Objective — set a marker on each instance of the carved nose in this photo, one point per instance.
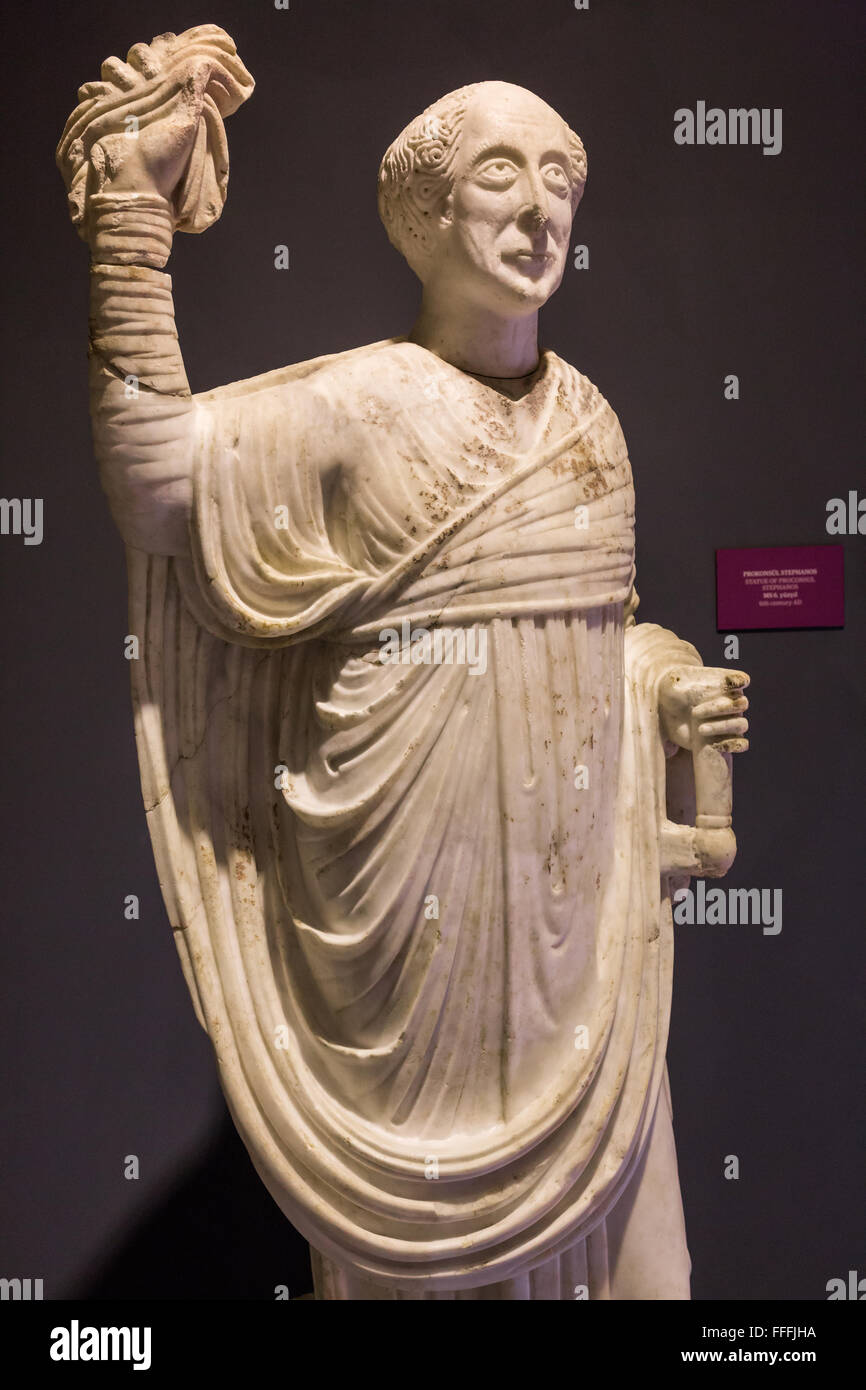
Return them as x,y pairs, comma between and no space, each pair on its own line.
538,217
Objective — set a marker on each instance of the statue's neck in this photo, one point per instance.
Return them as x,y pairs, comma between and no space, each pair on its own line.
476,340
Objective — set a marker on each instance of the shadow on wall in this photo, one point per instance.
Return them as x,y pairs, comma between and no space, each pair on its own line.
218,1235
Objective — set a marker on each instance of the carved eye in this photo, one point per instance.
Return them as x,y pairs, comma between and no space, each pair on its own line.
497,173
556,179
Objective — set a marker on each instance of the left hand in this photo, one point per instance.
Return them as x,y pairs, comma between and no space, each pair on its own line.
707,701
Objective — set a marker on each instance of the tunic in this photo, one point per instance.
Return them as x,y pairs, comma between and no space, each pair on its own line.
417,901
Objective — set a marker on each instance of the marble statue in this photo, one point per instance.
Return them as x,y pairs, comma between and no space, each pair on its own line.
420,787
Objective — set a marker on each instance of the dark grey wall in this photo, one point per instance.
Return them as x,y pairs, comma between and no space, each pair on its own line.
703,261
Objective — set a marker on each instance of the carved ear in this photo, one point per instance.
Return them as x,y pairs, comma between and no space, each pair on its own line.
445,217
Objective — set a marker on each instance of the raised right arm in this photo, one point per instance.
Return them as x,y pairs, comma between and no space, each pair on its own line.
141,409
144,155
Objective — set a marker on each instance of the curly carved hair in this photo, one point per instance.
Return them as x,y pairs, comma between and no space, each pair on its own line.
416,173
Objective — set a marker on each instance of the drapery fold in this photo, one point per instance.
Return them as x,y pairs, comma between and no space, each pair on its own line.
434,961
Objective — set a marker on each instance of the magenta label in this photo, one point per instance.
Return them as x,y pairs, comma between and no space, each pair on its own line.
780,586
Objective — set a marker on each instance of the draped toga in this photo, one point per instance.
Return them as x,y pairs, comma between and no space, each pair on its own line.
418,905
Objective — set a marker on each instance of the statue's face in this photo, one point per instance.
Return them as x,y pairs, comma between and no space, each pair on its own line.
507,223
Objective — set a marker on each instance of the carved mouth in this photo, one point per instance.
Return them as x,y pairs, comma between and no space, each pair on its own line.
528,260
531,264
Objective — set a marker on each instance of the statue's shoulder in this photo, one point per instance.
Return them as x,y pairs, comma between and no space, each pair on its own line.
590,406
583,395
331,368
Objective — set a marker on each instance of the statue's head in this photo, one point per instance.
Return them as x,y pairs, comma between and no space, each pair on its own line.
479,193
